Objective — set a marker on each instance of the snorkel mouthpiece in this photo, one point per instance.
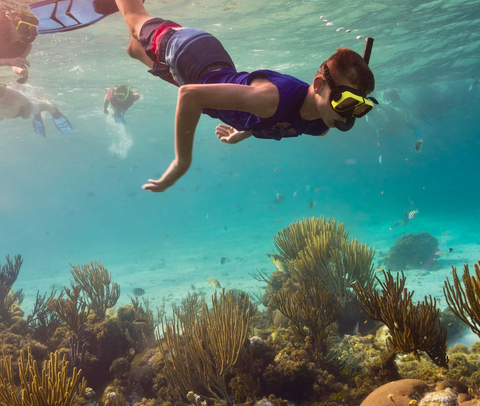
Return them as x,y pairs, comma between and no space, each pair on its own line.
348,124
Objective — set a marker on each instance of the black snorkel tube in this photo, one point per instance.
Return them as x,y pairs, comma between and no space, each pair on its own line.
350,121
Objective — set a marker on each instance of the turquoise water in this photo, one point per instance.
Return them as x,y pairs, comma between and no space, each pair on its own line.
75,197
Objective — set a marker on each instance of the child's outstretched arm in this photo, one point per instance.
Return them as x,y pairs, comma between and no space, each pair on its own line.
261,100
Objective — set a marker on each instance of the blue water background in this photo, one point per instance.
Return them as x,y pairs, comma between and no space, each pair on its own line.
75,197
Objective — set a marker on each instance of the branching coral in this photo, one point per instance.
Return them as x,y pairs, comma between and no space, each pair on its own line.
51,387
319,248
43,320
73,311
313,307
206,346
413,327
95,281
465,303
8,275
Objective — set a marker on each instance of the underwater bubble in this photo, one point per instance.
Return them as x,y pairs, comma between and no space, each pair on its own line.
330,24
359,37
339,29
348,30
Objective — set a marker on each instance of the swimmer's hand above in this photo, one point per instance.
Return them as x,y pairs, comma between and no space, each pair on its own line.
174,172
230,135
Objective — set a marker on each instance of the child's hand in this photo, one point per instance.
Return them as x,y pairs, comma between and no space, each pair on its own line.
230,135
174,172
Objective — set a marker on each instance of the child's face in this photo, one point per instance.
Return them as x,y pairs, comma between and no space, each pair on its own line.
324,108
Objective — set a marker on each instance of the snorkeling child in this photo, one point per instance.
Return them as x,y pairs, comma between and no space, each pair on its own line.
121,98
14,104
17,32
264,103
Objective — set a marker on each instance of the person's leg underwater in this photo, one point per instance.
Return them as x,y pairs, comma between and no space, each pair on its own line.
134,14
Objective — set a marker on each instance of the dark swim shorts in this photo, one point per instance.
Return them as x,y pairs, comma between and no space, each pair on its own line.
181,55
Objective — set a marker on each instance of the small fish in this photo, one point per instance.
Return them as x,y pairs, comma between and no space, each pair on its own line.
271,207
312,204
317,189
307,188
445,232
380,159
295,194
412,214
279,198
419,145
408,159
450,249
379,270
279,221
277,170
140,321
410,200
223,260
138,292
192,286
239,208
214,283
281,266
343,393
134,167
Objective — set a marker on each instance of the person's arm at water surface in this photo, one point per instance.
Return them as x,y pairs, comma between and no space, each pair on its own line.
260,98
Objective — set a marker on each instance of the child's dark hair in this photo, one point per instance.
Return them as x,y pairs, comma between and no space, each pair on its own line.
346,63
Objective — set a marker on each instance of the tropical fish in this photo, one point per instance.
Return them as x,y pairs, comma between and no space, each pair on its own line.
419,145
295,193
271,207
343,393
277,170
192,286
277,337
140,321
279,198
312,204
214,283
412,214
408,159
138,292
445,232
380,159
317,189
281,266
410,200
223,260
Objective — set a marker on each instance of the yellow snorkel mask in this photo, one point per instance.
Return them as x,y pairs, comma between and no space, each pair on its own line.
348,102
122,96
26,28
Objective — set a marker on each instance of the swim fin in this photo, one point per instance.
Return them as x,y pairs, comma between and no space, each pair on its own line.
118,117
61,122
38,125
67,15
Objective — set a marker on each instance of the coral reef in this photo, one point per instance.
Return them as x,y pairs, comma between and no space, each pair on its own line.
94,280
52,386
9,299
73,311
313,307
205,347
412,250
465,303
319,248
413,327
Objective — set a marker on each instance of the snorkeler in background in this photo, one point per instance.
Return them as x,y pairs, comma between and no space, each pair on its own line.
14,104
121,98
18,29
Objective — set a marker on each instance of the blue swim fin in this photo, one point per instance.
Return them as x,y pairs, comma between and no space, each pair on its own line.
61,122
67,15
38,125
118,117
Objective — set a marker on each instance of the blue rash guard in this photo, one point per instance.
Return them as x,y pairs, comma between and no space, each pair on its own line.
286,122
